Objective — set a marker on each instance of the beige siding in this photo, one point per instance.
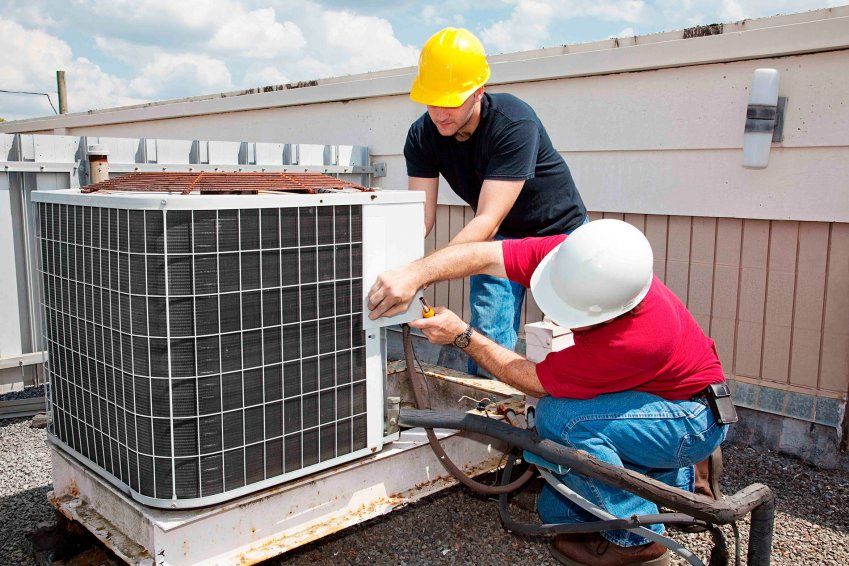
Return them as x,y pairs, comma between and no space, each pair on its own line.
773,294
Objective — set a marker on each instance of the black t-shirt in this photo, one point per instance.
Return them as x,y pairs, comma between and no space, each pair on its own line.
510,143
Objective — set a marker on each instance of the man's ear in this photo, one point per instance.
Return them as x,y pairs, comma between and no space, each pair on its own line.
479,94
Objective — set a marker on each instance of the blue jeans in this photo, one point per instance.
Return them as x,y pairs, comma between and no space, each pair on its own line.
496,305
640,431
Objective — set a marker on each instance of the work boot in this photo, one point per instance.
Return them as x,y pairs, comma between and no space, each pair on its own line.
707,484
707,475
592,549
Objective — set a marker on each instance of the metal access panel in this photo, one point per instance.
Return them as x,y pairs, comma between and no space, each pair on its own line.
204,347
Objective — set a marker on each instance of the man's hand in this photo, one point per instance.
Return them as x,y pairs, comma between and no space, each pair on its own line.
393,292
441,328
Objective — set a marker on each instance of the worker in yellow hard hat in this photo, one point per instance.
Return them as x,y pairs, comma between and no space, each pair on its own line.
495,154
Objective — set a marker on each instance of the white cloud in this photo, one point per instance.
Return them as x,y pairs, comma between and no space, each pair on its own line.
627,32
37,57
526,29
174,75
364,43
127,52
441,15
153,15
258,35
530,21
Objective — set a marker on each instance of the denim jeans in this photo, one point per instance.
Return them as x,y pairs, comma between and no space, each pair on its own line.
640,431
496,306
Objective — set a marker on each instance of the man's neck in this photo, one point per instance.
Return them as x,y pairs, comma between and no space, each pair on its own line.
467,129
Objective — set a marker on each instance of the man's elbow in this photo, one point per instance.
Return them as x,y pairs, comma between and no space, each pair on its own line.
489,226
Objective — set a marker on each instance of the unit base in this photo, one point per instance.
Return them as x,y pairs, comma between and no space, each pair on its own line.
267,523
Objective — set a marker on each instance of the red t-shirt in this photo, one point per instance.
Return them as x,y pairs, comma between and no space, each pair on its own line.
658,347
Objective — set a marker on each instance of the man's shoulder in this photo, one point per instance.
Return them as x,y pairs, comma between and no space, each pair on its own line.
511,108
420,125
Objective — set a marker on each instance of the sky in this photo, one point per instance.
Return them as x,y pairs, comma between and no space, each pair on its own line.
120,52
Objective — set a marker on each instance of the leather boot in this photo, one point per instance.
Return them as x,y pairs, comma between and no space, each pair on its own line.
592,549
707,475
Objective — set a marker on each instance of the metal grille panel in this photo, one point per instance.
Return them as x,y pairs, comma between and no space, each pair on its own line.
196,352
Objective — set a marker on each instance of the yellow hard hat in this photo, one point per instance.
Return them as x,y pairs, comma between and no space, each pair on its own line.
452,65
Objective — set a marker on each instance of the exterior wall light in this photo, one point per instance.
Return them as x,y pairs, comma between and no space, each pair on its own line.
764,118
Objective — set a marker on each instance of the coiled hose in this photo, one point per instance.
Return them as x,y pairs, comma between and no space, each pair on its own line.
417,382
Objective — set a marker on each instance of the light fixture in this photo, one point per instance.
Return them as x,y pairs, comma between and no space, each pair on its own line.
764,118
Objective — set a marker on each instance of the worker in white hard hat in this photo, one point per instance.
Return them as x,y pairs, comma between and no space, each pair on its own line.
638,389
495,154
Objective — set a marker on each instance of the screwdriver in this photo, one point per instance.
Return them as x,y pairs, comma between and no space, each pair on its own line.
427,310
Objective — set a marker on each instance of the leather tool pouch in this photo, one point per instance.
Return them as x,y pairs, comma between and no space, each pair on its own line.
719,398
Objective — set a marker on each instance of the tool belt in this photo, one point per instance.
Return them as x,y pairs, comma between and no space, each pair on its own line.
718,397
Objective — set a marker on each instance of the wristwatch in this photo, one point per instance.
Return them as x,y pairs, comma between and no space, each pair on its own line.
463,339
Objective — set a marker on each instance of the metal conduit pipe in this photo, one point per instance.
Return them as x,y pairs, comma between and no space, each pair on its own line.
417,382
756,499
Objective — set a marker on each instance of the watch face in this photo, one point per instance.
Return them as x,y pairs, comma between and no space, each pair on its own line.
462,340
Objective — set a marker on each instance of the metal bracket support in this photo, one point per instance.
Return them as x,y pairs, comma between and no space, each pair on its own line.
378,169
761,119
778,132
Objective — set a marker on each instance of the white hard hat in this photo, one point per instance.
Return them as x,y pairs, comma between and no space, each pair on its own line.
602,270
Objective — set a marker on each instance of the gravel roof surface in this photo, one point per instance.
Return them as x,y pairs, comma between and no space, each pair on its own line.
26,393
457,527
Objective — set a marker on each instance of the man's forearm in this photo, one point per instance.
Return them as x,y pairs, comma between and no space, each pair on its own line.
479,229
456,262
508,366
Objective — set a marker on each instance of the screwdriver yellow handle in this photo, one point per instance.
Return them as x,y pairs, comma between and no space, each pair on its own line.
427,310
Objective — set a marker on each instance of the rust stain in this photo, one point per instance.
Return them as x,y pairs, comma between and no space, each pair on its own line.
279,544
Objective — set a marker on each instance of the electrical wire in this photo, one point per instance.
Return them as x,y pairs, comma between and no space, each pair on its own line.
35,93
421,368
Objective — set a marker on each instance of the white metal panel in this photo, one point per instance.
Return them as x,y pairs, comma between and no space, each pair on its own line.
393,236
224,152
6,143
173,151
10,332
269,153
311,154
55,149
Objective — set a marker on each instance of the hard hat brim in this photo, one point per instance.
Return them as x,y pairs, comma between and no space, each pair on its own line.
543,288
444,100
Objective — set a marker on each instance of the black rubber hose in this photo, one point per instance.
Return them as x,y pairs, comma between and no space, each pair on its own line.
417,382
732,508
760,533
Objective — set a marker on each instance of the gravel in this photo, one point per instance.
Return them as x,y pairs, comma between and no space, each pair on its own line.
457,527
26,393
25,476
